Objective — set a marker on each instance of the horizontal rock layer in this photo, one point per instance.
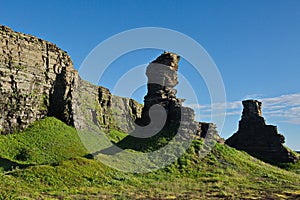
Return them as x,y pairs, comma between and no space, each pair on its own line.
37,79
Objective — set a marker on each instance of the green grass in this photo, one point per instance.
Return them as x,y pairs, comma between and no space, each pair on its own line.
45,141
116,136
293,167
224,173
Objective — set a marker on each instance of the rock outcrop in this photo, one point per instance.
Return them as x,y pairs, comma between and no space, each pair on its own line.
37,79
162,78
258,139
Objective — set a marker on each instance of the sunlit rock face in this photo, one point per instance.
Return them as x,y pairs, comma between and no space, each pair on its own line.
37,79
258,139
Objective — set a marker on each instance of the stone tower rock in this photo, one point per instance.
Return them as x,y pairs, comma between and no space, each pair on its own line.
162,78
258,139
162,74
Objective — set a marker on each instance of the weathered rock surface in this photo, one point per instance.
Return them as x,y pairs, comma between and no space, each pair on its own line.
205,128
37,79
164,120
162,78
258,139
96,105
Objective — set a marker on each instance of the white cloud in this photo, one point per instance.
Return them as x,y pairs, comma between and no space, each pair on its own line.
285,107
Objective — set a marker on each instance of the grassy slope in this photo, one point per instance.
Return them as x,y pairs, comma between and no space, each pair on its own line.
293,167
45,141
224,173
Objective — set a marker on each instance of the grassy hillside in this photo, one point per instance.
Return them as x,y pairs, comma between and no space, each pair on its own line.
293,167
224,173
45,141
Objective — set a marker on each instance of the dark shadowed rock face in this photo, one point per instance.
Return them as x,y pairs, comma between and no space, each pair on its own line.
257,138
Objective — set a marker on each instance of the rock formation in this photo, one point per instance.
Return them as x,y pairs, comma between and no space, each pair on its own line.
162,78
259,139
164,120
37,79
96,105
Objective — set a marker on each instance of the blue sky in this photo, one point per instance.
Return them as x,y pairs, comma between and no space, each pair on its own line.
255,44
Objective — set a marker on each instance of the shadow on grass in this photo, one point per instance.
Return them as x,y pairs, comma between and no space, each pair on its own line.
7,164
147,144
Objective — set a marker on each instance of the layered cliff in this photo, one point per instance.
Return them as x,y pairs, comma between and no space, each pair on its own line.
37,79
96,106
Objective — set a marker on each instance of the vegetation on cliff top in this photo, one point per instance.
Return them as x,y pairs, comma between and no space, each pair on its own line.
61,171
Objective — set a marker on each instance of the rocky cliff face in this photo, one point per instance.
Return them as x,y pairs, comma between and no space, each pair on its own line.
96,106
37,79
257,138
